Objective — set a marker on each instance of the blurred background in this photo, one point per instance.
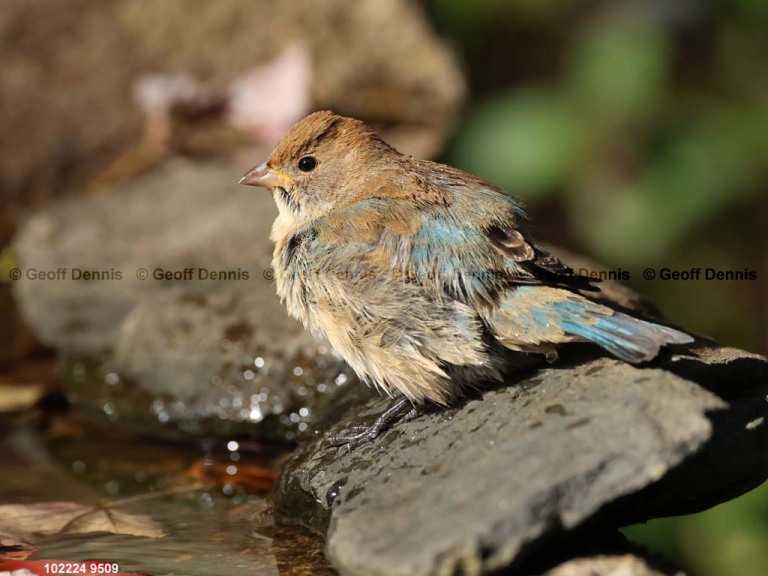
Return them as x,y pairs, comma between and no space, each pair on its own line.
635,131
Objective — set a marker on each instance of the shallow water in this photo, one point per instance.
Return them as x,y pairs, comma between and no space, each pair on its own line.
208,498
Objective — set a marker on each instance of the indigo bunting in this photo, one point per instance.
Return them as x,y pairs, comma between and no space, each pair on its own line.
421,276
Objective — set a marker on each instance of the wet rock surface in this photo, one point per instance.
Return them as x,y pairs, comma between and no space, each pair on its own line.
192,352
513,473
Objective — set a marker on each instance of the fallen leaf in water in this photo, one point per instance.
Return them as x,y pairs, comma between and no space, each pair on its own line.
22,521
43,567
14,548
14,554
11,540
248,477
17,397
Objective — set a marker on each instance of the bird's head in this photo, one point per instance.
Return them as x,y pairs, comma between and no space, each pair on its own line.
324,161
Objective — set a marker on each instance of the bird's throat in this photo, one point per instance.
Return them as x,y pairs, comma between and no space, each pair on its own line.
287,199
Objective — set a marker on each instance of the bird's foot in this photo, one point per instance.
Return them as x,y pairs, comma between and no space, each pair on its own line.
398,413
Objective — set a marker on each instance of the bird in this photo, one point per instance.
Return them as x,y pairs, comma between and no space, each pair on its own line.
425,278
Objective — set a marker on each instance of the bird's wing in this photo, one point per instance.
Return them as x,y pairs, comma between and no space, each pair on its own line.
418,245
543,266
467,248
495,221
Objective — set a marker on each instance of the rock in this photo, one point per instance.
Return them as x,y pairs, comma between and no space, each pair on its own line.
407,84
88,54
598,553
198,354
624,565
735,459
504,477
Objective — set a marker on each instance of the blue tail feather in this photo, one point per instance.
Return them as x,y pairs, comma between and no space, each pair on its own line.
629,339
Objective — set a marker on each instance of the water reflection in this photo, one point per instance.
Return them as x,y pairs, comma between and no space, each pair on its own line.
209,498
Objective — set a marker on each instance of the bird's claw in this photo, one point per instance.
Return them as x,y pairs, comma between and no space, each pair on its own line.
349,441
401,411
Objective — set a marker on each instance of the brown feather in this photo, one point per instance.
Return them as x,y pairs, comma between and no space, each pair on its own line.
511,244
306,136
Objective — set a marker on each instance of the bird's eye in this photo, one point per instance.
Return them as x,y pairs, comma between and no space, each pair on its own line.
307,164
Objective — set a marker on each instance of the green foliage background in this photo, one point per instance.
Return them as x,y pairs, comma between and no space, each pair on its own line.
637,131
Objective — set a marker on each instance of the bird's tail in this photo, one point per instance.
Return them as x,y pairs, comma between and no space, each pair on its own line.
534,318
630,339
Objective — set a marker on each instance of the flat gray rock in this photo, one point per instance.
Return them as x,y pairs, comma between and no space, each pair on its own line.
193,353
507,475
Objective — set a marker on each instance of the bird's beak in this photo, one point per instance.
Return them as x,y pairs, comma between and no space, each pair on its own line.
264,176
